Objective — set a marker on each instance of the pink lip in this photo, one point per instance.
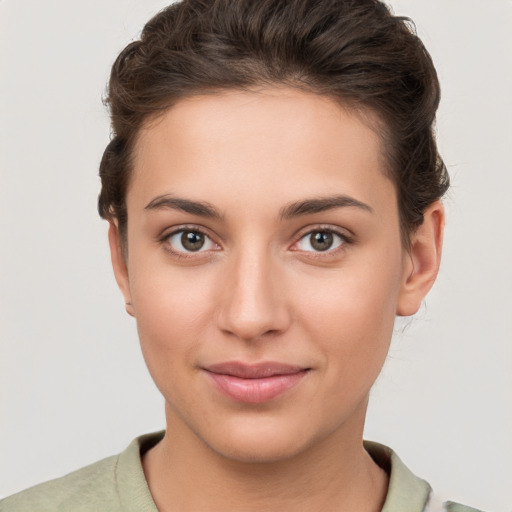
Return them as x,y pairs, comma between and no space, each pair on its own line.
257,383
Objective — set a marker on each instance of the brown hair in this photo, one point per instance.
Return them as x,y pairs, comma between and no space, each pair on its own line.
355,51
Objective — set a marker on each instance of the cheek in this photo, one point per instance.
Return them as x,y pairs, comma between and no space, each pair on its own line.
350,323
353,336
172,307
354,300
351,315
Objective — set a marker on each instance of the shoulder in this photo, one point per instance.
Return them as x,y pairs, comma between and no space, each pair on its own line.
113,484
407,492
89,487
450,506
435,504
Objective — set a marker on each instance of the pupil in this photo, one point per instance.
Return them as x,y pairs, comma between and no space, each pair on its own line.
321,240
192,241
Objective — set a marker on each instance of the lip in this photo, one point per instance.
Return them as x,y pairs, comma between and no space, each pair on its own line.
255,383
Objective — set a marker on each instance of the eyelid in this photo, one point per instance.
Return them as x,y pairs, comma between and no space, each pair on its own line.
346,237
168,233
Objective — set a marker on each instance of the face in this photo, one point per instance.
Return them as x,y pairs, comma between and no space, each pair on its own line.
264,269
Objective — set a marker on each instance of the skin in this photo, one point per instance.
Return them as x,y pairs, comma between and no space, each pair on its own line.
259,291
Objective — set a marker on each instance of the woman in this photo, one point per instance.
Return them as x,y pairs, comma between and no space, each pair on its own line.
273,191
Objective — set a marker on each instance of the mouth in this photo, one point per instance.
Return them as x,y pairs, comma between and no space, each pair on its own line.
255,383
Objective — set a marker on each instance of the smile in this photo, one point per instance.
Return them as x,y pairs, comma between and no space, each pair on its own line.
255,384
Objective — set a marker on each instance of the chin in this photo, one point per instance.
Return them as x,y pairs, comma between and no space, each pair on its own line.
258,442
254,451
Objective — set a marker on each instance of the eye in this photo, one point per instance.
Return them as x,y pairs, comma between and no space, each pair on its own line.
321,241
187,240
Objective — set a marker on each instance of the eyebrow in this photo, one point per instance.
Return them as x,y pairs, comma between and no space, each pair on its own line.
317,205
201,208
296,209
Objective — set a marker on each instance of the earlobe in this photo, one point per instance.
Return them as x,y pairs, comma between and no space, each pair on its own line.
423,260
119,265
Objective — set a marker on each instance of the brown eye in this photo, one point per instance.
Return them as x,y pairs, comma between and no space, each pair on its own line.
321,241
192,241
187,240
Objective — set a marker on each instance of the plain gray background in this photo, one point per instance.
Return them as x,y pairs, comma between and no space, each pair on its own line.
73,385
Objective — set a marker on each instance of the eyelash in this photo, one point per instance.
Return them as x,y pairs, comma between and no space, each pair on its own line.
344,241
165,241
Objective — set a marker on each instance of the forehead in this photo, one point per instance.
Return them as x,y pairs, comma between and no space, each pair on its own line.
277,139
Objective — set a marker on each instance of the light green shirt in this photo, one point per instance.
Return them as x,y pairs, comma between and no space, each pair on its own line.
117,484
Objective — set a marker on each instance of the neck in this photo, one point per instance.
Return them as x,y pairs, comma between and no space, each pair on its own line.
337,474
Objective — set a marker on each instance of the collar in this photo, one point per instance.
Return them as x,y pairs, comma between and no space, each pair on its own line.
406,492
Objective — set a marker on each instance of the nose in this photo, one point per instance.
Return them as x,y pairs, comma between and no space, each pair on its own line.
254,302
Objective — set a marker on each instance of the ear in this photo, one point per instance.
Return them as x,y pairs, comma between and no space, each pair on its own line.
119,265
422,260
